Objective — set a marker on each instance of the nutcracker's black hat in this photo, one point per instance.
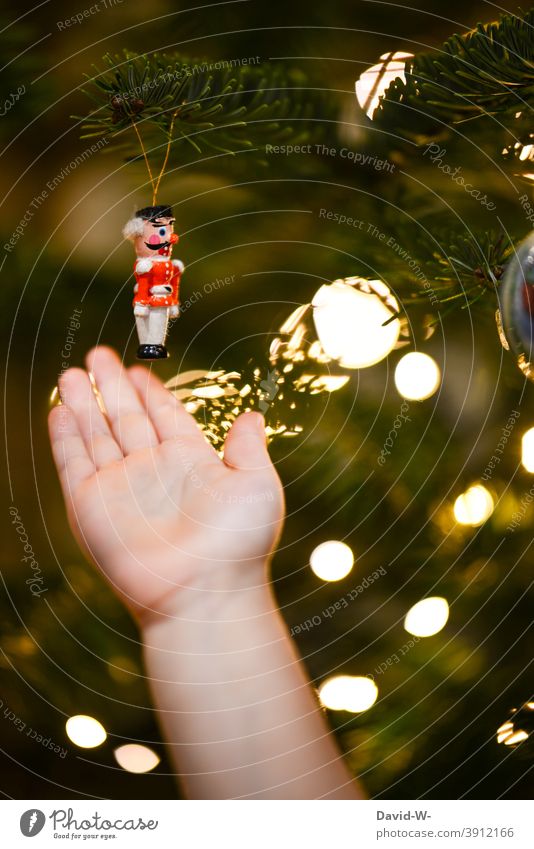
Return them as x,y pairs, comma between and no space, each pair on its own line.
151,213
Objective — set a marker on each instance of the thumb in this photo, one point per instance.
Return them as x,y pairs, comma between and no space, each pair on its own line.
246,446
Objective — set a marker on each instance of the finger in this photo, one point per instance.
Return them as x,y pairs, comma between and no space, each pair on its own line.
73,463
127,416
169,417
246,446
77,393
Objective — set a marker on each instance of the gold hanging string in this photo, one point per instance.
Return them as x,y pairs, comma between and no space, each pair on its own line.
166,159
154,190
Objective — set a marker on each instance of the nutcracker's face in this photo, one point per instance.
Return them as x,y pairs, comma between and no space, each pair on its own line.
157,238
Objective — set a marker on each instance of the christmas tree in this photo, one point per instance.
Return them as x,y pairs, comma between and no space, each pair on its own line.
415,191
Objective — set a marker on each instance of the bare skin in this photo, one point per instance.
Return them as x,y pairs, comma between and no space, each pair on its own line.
185,539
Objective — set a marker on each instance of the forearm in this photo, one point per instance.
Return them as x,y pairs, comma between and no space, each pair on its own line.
237,710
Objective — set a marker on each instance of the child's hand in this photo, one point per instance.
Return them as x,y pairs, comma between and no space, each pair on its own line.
147,497
184,537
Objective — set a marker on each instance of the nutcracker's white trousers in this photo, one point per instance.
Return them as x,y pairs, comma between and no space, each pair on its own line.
152,328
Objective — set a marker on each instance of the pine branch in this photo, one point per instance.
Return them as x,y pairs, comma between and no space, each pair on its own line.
211,106
470,270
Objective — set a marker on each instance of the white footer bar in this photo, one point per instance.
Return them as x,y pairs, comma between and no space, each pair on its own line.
268,825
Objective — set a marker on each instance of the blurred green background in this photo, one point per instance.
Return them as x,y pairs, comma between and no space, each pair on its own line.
75,650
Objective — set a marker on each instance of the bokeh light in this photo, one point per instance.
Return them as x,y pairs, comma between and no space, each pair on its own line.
417,376
353,693
332,560
527,152
519,727
350,318
136,758
373,82
427,617
85,731
507,735
474,506
527,450
212,391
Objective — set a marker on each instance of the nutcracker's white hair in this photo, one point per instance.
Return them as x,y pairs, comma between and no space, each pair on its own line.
133,228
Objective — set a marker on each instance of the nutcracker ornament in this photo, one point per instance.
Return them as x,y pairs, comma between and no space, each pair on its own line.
157,278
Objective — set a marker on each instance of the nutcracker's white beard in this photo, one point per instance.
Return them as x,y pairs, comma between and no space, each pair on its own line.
152,328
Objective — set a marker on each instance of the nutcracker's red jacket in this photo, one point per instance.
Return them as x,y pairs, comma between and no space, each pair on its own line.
157,282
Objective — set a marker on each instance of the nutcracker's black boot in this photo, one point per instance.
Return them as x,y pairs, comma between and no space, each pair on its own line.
152,352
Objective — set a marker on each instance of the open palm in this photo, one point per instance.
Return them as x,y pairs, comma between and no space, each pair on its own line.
149,500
